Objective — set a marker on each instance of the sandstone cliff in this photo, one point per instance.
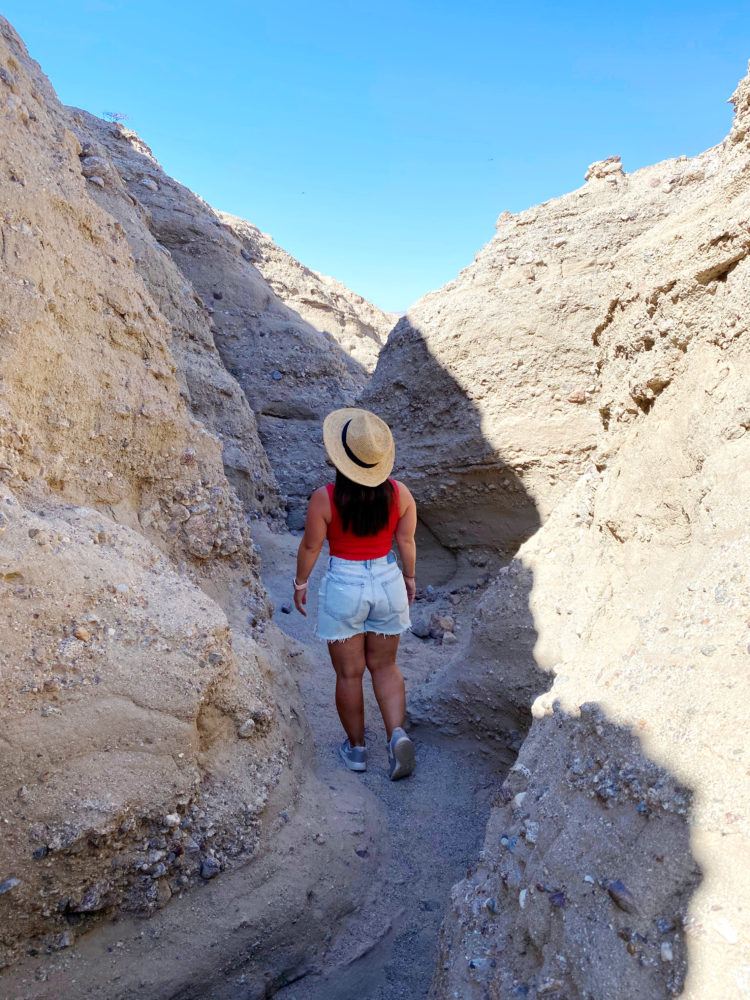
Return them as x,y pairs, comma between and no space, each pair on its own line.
359,327
613,861
148,710
572,410
292,370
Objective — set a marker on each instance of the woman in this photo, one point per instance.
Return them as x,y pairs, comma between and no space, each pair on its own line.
364,599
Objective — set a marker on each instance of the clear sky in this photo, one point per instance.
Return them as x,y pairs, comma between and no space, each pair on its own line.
378,142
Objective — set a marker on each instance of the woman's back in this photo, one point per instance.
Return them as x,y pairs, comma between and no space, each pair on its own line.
345,544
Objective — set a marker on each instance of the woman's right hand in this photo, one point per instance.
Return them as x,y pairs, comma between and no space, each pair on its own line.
300,600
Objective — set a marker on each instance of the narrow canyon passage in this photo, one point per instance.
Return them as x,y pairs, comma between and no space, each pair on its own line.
427,829
571,413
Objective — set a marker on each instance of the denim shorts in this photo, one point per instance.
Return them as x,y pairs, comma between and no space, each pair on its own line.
362,596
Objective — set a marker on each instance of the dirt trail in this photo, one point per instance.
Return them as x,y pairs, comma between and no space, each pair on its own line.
429,827
375,870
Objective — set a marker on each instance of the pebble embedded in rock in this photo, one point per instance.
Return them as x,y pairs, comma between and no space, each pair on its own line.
8,884
172,819
621,895
531,832
664,925
61,941
665,952
94,899
286,609
82,633
478,963
550,986
210,868
276,376
246,729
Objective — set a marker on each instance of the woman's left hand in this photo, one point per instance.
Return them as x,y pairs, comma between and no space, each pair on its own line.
411,588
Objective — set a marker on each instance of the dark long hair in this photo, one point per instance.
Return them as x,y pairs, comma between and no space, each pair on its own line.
363,509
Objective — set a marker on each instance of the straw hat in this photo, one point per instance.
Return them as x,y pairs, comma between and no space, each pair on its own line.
360,445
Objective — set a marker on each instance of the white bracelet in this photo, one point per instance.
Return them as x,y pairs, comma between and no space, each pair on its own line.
300,586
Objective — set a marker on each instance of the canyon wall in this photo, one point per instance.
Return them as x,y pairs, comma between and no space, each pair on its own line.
298,344
359,327
614,862
152,731
573,409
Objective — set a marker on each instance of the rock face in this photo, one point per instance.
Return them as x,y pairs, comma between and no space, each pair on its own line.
291,370
121,680
494,384
214,396
613,862
123,689
490,383
148,713
575,405
359,327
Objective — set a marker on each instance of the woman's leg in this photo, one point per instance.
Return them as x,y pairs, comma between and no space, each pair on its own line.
348,659
387,680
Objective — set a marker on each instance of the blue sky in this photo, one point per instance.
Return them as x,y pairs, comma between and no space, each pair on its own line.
378,142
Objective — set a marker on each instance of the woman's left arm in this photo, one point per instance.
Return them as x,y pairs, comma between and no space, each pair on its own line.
405,543
316,528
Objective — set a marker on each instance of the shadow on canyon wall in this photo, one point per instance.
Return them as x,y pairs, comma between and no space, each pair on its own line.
596,774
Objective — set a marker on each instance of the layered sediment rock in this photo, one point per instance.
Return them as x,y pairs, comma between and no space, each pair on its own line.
613,862
213,395
292,370
124,692
588,373
358,326
147,709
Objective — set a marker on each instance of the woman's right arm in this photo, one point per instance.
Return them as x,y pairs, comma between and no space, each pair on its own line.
316,528
405,543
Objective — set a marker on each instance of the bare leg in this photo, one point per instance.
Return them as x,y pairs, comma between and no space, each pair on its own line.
387,680
348,659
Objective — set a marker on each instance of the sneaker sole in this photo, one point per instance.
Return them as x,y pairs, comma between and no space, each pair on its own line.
350,764
403,753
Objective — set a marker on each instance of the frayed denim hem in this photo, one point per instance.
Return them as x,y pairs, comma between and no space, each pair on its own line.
344,638
400,631
369,631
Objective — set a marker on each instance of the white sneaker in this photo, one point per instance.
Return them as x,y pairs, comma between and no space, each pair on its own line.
400,755
355,758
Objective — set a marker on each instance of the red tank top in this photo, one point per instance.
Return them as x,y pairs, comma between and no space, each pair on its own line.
347,545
